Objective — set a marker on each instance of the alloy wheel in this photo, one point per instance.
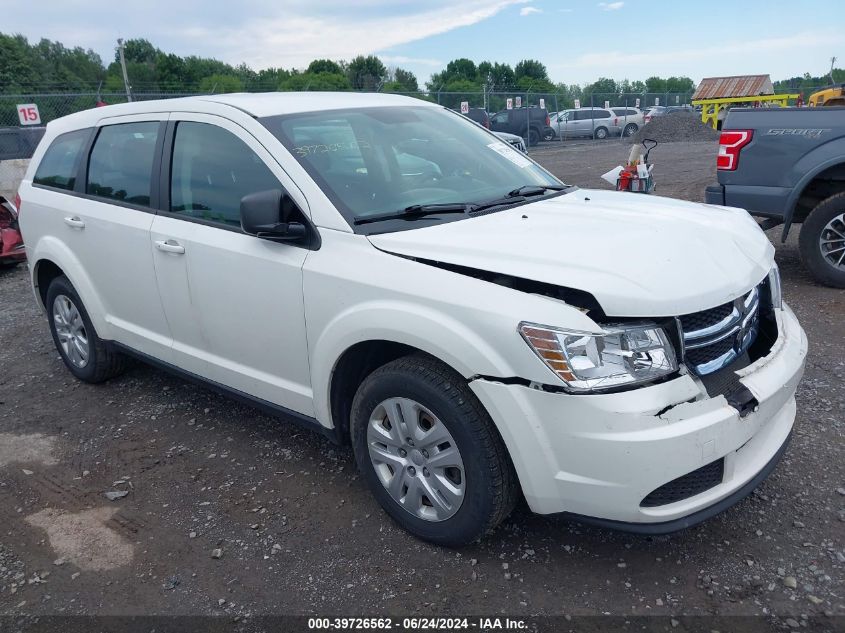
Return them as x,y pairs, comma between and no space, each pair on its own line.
832,242
416,459
70,330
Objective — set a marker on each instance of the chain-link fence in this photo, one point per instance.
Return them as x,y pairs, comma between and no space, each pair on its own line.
14,113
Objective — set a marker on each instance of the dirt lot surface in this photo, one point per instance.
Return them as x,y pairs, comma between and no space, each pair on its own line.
231,512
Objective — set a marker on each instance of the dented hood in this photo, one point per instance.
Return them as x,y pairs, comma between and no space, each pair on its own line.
638,255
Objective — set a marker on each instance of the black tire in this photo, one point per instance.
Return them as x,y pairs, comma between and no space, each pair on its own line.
600,133
492,489
103,362
549,134
809,242
533,137
630,130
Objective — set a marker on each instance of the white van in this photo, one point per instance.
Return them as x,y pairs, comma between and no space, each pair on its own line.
381,270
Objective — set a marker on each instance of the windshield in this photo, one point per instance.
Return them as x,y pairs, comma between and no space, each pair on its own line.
375,161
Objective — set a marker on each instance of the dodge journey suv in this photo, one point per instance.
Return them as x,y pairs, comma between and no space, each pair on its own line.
392,275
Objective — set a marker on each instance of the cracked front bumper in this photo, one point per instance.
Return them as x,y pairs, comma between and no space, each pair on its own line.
599,455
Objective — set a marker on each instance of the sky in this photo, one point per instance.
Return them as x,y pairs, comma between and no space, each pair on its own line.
577,40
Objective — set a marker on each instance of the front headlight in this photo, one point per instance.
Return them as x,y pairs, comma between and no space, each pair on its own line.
775,287
621,355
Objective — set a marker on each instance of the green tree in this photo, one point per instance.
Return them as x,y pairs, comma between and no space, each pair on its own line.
316,82
655,84
218,84
406,79
324,66
366,73
462,68
138,50
531,68
679,84
602,86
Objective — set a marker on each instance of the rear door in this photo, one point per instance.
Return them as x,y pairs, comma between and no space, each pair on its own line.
234,301
104,217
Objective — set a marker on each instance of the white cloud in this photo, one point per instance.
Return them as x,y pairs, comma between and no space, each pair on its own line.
788,55
611,6
402,59
298,37
529,10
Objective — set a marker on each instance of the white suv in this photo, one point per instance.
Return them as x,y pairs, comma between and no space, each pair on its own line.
387,273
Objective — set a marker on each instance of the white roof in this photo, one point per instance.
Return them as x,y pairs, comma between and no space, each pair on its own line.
259,104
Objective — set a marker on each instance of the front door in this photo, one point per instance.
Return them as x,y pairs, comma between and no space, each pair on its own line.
233,301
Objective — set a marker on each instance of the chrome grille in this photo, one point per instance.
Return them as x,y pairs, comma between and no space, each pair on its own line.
715,338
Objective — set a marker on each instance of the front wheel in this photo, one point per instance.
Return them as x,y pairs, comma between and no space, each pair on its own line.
430,452
600,133
821,242
630,130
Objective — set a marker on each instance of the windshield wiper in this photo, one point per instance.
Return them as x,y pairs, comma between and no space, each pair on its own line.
535,190
419,211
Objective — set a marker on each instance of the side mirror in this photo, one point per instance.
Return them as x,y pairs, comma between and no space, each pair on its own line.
272,215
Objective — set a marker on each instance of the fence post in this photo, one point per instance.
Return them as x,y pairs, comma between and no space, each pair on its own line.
557,114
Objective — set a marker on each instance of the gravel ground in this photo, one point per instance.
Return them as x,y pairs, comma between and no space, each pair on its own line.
230,512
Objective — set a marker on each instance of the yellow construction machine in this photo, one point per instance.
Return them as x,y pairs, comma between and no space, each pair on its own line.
830,96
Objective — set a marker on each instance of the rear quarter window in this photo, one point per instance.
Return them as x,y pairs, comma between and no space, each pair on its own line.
58,166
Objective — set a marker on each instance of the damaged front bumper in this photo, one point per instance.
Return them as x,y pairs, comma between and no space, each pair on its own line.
601,456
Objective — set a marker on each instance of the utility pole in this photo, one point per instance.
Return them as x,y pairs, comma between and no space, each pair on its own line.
832,62
123,67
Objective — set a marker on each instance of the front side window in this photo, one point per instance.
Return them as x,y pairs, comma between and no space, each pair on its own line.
212,170
121,163
382,160
58,167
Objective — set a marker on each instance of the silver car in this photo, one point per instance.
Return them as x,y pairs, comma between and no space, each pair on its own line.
586,122
627,120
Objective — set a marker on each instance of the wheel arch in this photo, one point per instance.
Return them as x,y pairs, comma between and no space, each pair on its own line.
825,180
51,258
358,341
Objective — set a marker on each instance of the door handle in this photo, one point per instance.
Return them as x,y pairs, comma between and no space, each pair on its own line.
170,246
75,222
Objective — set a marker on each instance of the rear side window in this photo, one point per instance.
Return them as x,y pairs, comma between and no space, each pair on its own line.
212,170
121,163
58,166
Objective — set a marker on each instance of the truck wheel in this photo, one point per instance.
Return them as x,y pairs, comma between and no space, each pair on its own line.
83,352
822,241
600,133
533,137
429,452
630,130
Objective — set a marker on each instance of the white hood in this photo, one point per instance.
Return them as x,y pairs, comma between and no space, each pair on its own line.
638,255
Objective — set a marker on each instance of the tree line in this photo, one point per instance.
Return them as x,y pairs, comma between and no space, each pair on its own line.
48,66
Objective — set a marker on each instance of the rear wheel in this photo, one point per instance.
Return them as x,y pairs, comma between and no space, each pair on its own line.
822,241
533,137
83,352
600,133
630,129
430,453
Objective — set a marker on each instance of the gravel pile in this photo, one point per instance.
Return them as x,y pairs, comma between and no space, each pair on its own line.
671,128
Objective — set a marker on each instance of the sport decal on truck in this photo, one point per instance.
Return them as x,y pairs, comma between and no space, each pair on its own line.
808,132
